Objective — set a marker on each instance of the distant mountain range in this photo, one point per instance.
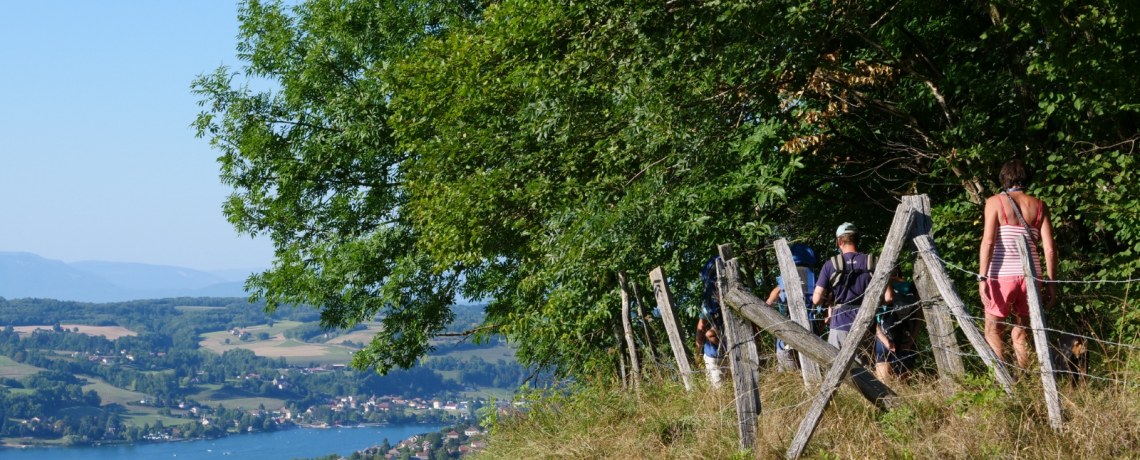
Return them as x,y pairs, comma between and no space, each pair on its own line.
25,274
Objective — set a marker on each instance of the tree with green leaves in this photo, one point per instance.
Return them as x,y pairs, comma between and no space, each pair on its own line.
314,166
526,152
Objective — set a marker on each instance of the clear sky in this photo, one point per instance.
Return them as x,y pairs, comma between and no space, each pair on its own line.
97,159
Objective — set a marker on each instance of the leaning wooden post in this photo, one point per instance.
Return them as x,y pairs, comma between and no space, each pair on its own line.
939,326
754,309
793,290
925,245
669,320
644,321
742,357
872,298
1040,335
627,327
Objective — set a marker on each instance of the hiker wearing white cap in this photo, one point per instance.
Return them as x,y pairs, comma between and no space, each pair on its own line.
845,277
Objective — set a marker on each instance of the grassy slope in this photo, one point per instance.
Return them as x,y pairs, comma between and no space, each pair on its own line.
112,395
298,353
662,421
12,369
212,395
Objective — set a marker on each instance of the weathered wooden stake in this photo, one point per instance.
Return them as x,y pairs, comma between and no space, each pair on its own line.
939,326
742,357
793,291
627,327
745,303
644,321
925,245
669,320
872,298
620,358
1040,336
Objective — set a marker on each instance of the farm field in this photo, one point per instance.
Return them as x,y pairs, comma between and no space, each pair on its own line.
137,415
111,332
212,395
294,352
110,394
14,370
491,355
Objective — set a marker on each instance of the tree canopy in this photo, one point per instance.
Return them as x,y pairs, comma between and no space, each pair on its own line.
525,152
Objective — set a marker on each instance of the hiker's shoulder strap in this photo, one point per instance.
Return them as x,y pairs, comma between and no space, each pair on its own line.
1017,211
839,266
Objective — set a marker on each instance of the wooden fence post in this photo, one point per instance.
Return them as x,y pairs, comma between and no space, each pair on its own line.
743,360
644,322
872,298
669,320
620,357
627,328
793,291
925,245
939,326
1040,335
754,309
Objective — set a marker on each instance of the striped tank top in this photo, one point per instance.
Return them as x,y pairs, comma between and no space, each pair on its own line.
1006,262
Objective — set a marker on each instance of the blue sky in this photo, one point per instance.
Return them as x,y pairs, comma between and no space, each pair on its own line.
97,159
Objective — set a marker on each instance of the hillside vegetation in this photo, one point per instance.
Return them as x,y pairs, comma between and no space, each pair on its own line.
663,421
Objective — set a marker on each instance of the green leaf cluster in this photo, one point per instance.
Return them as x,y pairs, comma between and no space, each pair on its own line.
525,152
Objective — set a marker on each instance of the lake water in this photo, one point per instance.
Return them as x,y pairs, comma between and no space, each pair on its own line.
277,445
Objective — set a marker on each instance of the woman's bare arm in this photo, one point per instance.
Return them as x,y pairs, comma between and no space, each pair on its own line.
1047,242
774,295
1050,254
989,234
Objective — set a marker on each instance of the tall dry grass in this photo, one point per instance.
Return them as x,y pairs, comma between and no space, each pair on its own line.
661,420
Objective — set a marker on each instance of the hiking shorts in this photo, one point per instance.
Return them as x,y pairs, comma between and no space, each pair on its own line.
1007,294
901,360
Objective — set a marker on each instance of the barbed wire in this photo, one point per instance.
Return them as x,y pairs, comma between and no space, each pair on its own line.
1073,334
1039,372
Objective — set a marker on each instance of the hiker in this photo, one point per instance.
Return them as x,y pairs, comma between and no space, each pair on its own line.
710,326
896,329
845,277
1011,215
804,258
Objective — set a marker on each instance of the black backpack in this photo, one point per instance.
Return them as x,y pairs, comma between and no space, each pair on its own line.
844,275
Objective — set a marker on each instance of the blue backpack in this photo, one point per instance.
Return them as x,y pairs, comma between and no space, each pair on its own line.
710,305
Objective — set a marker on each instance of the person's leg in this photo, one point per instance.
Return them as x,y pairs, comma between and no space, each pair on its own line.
995,329
882,362
997,313
1019,335
712,368
837,337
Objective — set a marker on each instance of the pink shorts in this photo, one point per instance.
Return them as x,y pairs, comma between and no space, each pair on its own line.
1007,294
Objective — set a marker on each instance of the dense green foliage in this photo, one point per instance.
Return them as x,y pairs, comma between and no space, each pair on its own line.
525,152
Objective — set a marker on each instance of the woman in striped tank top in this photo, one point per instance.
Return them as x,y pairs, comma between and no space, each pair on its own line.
1010,216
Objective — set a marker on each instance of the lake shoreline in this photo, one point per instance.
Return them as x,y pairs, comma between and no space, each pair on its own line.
10,445
282,444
